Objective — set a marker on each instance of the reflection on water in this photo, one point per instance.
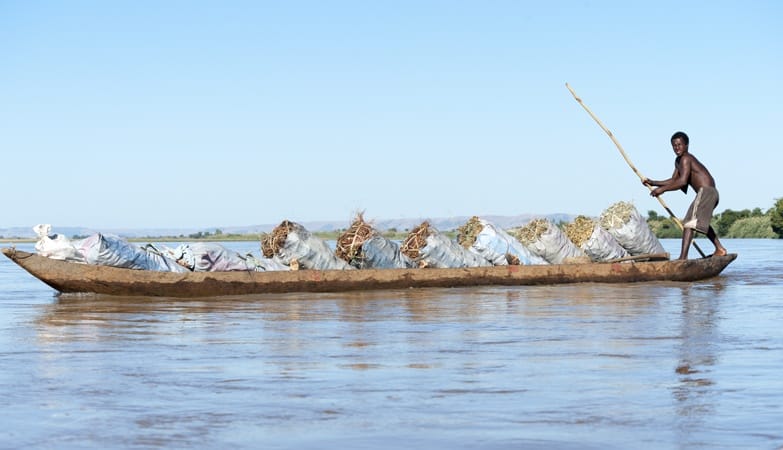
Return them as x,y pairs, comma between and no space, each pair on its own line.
653,365
116,314
697,355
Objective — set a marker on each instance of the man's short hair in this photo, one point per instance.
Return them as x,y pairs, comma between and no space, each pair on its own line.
682,136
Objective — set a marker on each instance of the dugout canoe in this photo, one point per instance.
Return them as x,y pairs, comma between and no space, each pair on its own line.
70,277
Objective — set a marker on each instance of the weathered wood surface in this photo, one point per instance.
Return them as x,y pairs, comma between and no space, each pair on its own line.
67,277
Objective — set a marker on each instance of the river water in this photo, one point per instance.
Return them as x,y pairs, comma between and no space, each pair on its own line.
590,366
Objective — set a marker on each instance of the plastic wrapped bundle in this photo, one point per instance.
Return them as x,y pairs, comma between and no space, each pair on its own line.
427,247
364,248
56,246
494,244
382,253
546,240
108,250
596,242
292,245
213,257
629,228
266,264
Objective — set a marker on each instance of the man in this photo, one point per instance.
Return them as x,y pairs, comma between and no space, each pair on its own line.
688,171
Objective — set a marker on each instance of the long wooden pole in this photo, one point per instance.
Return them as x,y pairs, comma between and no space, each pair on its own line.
628,160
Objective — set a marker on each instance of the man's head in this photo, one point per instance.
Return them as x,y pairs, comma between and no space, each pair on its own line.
681,135
680,143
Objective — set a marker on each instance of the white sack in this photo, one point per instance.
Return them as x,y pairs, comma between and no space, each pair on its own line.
441,252
602,246
493,244
211,257
55,246
553,245
378,252
309,251
266,264
109,250
629,228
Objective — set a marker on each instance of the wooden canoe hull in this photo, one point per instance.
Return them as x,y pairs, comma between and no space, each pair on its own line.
68,277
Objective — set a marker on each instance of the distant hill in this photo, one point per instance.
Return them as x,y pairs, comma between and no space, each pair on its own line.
441,223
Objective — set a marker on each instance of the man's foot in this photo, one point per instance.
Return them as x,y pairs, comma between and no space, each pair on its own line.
719,252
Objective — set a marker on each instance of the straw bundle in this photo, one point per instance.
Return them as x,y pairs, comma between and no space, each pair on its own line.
416,240
427,247
294,246
492,243
547,241
349,244
272,242
616,215
532,231
630,229
598,243
580,230
467,234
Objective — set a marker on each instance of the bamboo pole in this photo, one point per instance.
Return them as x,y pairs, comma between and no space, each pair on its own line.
628,160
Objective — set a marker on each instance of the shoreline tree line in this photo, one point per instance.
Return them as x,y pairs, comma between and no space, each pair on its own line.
730,224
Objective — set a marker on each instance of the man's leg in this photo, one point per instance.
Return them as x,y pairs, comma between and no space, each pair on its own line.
687,238
713,237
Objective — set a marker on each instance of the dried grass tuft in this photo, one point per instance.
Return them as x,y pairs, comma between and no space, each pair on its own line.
274,241
467,234
349,244
616,215
580,230
532,231
416,240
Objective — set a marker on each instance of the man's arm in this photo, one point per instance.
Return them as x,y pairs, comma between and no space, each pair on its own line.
650,182
678,180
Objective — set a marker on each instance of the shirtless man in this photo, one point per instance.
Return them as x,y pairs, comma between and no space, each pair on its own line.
688,171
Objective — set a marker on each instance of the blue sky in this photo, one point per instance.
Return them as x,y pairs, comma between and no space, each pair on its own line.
201,114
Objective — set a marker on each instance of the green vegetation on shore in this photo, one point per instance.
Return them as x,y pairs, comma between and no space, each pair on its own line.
745,224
